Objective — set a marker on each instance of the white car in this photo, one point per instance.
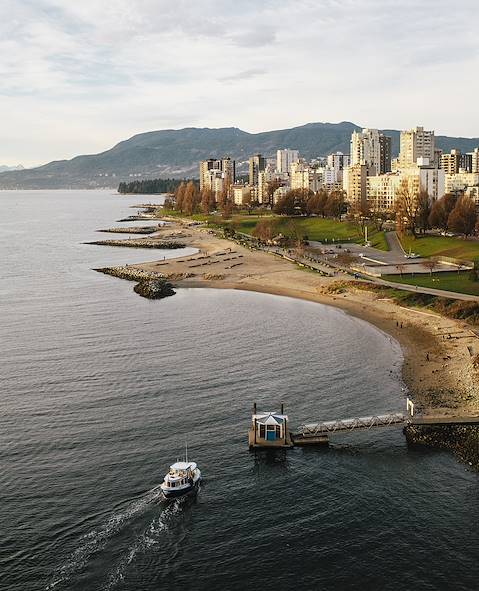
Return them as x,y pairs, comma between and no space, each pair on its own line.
412,255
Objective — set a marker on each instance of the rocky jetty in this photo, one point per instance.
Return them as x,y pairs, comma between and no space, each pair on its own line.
463,440
132,230
154,289
131,274
140,243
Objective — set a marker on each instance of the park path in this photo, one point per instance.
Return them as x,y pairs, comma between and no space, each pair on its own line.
394,244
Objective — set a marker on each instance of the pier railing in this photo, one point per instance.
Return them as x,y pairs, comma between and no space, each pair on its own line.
357,423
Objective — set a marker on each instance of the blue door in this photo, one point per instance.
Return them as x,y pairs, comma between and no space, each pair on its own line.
271,436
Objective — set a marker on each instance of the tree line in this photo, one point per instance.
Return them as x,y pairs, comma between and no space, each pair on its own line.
416,214
149,186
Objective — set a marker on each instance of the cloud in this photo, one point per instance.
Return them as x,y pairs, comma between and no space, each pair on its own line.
97,72
243,75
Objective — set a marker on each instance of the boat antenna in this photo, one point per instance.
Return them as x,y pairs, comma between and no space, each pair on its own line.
186,450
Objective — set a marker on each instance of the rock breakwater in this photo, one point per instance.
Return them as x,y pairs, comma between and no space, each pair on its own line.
140,243
154,289
132,230
463,440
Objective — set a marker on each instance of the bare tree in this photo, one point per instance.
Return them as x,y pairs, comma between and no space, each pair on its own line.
208,202
335,204
400,267
266,229
407,208
190,198
179,196
431,265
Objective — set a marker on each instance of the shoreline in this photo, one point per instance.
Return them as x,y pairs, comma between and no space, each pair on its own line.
438,351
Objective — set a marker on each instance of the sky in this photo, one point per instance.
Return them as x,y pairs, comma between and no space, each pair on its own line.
78,76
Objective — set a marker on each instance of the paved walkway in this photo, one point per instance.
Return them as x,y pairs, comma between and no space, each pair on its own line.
394,244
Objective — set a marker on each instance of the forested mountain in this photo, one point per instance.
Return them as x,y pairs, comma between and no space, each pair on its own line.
176,153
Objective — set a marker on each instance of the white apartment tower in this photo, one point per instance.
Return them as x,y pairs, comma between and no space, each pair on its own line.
284,159
366,149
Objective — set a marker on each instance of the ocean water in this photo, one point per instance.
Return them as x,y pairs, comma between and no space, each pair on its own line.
100,389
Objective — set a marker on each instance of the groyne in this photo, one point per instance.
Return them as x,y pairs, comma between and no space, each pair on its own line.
140,243
132,230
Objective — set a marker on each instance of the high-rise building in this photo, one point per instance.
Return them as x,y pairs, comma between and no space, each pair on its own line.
257,164
355,183
451,163
338,161
416,143
284,159
384,154
213,170
371,148
475,160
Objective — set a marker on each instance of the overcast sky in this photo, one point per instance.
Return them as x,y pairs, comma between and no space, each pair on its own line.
77,76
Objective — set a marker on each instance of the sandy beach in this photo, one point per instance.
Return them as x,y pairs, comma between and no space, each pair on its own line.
438,351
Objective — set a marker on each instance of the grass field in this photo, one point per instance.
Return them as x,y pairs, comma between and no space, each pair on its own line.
315,228
442,246
322,230
449,281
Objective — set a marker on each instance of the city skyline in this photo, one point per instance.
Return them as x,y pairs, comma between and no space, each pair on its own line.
79,78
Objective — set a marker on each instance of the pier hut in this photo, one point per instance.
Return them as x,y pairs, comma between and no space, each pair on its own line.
269,429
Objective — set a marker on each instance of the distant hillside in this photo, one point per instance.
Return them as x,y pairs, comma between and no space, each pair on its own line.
176,153
4,168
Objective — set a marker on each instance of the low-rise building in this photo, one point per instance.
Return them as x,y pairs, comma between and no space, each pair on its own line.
461,181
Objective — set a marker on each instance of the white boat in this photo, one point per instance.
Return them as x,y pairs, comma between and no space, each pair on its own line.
183,478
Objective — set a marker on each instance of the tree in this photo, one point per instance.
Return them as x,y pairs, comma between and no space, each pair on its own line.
179,197
271,188
208,202
400,267
463,217
266,229
335,204
227,209
190,199
359,213
293,203
431,265
424,211
441,210
407,208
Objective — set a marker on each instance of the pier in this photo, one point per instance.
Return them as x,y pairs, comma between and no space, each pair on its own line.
271,429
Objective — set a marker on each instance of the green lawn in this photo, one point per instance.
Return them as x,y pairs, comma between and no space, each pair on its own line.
442,246
322,230
449,281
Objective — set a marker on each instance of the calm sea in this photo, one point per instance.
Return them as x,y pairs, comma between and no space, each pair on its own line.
100,388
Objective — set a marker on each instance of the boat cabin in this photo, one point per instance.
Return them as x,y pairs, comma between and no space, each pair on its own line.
180,474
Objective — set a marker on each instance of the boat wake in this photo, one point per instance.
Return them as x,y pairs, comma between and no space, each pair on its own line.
150,538
96,540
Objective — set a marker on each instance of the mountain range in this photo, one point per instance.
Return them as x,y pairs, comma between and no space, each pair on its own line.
176,154
4,168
